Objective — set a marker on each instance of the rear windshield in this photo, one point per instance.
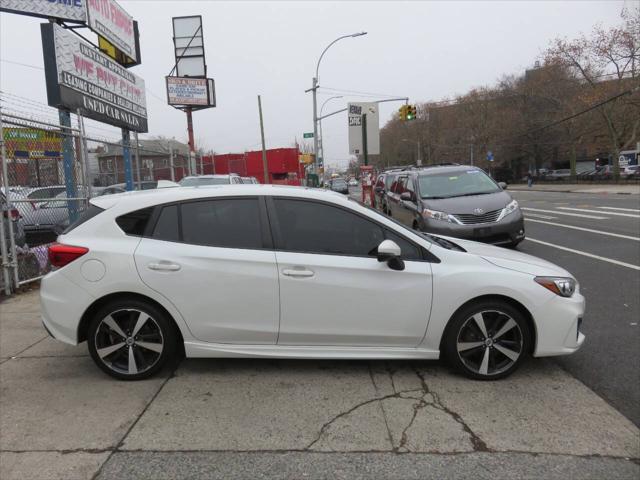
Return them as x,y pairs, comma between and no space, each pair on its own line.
456,184
194,182
88,214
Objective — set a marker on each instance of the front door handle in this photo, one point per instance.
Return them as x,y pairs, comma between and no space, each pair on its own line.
164,267
297,272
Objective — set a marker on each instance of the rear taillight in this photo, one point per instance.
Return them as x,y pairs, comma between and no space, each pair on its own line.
13,214
61,255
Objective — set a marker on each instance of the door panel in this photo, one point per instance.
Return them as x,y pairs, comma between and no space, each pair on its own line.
226,295
352,301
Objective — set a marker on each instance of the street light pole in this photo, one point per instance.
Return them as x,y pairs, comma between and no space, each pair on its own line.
314,89
320,126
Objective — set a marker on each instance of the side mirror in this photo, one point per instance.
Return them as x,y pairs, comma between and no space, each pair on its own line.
502,185
389,251
407,196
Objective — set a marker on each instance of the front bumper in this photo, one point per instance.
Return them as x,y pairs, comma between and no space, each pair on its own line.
508,231
558,323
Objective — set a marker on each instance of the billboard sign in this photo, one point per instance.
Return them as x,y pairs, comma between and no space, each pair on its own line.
356,111
196,92
109,20
80,77
32,142
189,47
68,10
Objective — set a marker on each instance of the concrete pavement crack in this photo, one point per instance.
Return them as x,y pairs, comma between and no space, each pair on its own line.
384,413
327,424
479,445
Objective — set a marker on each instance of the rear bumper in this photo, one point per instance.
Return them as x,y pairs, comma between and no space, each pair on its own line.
60,316
507,231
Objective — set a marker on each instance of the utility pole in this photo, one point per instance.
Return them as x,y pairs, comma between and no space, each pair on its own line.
171,165
314,88
135,138
365,147
471,154
419,158
264,149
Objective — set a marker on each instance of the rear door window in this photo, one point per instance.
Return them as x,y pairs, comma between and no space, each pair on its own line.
167,226
229,222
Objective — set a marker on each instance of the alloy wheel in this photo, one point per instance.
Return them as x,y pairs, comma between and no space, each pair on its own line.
489,342
129,341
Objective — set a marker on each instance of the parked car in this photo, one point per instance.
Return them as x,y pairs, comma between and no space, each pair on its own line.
629,171
174,268
122,187
381,188
558,175
339,185
458,201
11,215
202,180
44,224
249,180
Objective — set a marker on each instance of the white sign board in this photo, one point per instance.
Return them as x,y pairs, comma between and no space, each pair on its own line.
188,91
356,112
189,46
109,19
70,10
79,76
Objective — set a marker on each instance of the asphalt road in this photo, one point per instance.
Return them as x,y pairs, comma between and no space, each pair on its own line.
605,258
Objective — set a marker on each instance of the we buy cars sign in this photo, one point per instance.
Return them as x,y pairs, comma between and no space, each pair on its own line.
80,77
109,19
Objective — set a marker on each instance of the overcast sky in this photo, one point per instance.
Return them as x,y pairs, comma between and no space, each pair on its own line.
422,50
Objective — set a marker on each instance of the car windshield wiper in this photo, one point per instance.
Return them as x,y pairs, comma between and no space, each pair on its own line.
470,194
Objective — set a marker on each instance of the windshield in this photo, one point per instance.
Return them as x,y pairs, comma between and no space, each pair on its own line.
197,181
456,184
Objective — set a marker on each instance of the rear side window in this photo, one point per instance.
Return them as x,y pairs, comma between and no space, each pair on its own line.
231,223
166,227
135,223
87,215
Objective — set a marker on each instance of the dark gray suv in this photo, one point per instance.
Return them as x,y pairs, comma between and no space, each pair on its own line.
457,201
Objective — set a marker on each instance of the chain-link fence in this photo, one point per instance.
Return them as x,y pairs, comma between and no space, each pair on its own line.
44,188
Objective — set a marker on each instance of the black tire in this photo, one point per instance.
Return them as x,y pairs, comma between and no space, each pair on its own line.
156,332
463,331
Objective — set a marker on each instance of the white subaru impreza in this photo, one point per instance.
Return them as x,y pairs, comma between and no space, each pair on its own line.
287,272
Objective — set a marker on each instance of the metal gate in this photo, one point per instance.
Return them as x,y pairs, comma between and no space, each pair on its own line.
43,188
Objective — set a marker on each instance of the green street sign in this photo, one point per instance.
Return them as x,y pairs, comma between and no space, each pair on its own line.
307,135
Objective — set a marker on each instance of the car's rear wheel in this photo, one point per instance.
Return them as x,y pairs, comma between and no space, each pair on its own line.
131,339
487,340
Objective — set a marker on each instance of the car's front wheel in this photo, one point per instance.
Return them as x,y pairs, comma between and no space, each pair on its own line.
487,340
131,339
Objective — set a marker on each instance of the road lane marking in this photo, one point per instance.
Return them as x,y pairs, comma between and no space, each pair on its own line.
597,211
617,235
565,213
586,254
622,209
539,215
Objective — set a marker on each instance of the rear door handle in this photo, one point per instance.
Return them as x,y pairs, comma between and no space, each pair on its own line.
297,272
164,267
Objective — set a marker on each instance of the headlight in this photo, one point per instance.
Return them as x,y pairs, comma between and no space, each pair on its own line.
445,217
565,287
512,207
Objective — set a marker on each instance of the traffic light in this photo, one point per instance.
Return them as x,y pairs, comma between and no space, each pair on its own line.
411,112
407,112
402,112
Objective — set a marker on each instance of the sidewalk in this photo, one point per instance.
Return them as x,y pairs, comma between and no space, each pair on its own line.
630,189
62,418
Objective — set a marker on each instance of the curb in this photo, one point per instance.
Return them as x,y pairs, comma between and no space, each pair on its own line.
570,191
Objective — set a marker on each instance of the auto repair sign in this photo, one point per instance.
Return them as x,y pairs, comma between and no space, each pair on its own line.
109,19
80,77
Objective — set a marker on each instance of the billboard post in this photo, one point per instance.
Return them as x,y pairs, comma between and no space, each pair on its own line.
126,156
68,163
